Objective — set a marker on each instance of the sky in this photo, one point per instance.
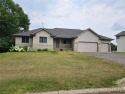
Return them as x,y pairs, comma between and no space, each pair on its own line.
105,17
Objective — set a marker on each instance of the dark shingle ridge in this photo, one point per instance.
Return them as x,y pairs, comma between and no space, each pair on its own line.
120,34
92,31
67,28
60,33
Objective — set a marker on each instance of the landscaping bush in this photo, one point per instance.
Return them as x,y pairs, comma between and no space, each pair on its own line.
19,49
26,48
113,47
42,50
39,50
45,49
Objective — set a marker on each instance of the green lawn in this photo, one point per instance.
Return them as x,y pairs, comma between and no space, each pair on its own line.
47,71
121,52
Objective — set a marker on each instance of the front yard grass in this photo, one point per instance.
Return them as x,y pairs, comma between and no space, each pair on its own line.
22,72
120,52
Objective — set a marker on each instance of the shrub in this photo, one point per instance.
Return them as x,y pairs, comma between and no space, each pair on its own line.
19,49
45,49
39,50
26,48
42,50
113,47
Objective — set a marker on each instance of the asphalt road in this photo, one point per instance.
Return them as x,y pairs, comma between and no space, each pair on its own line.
115,57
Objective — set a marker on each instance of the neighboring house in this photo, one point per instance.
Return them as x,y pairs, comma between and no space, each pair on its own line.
120,40
60,38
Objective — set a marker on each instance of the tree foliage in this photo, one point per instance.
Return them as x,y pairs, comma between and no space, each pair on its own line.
12,18
113,47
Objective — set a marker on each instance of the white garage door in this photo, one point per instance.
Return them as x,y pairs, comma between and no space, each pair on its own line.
87,47
104,48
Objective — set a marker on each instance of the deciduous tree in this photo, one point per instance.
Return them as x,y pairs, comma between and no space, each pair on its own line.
12,18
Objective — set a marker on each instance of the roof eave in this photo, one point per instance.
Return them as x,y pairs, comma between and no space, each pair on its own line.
48,32
119,35
21,35
64,37
107,39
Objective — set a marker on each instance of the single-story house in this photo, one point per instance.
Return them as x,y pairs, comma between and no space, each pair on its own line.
120,40
60,38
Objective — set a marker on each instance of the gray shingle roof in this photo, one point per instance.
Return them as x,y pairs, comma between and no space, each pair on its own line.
60,33
64,33
56,32
104,38
121,34
28,33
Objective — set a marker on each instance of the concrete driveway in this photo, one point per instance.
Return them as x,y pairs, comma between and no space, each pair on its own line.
115,57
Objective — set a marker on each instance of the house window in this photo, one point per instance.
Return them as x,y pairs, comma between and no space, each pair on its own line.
25,39
66,41
43,39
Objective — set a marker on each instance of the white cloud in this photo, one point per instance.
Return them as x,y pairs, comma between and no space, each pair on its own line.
61,8
100,15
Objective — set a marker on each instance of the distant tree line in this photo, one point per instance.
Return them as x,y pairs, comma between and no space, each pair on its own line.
12,19
113,47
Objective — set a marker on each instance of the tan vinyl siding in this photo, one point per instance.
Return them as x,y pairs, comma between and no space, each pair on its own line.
103,41
18,42
38,45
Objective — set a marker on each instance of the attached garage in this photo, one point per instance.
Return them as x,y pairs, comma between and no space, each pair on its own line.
104,47
87,47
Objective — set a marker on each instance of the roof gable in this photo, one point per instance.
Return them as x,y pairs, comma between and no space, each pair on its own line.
89,29
100,36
